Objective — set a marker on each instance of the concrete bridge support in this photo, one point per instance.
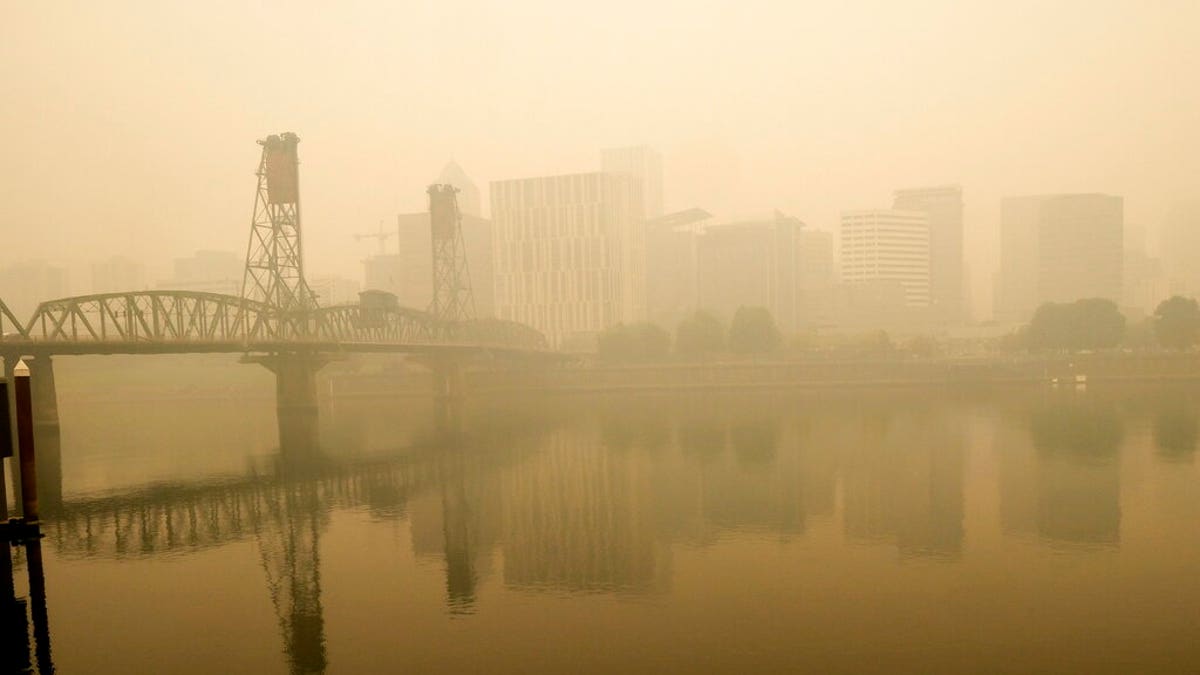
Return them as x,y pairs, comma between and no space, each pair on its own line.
45,394
295,381
295,397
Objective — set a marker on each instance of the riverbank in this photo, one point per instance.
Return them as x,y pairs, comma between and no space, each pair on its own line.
1066,370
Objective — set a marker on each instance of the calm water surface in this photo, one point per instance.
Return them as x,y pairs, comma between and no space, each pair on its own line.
1019,531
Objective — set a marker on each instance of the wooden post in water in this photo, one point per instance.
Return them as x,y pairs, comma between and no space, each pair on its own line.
6,447
29,501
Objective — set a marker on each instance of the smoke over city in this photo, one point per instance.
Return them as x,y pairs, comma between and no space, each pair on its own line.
618,337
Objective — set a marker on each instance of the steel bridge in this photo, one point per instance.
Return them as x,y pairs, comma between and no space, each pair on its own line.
174,322
277,321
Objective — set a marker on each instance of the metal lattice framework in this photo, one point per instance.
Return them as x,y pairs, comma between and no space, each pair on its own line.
274,257
185,321
453,300
9,324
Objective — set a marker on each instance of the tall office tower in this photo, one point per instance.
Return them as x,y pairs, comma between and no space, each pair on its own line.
814,277
944,206
118,274
645,165
749,263
1059,248
671,265
569,253
887,247
1181,247
469,202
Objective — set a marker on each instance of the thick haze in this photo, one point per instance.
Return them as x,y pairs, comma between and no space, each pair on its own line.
129,128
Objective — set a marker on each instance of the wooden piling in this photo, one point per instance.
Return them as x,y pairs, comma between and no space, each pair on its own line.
6,447
28,463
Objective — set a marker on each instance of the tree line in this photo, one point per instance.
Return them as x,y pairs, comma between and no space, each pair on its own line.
751,331
1097,323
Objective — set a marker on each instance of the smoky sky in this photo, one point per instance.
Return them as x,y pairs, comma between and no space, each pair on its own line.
128,128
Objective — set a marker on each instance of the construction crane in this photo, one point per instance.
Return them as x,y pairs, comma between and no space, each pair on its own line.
381,236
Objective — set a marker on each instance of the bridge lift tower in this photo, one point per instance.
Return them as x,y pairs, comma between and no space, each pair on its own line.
275,276
274,260
453,300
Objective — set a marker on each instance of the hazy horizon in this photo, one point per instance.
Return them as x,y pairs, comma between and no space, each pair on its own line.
130,129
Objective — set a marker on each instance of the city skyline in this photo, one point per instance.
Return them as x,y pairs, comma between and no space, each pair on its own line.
987,112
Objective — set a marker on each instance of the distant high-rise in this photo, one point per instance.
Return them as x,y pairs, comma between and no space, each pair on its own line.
569,253
645,165
814,276
891,247
469,202
25,285
1058,248
671,265
208,271
749,263
1181,247
944,207
118,274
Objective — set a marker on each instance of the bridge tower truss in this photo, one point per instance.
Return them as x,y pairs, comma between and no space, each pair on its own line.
274,261
453,300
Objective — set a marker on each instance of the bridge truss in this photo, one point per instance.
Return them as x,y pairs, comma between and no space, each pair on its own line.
277,312
185,321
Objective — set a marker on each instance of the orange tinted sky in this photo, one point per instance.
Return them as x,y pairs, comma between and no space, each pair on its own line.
129,127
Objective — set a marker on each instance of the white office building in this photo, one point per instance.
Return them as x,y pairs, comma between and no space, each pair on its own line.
887,247
569,253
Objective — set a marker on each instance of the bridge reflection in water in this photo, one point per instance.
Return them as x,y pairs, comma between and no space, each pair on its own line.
590,498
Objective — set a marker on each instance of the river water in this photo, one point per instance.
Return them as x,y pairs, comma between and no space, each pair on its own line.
907,531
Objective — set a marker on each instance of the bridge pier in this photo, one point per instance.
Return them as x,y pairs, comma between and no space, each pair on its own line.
45,393
295,380
295,397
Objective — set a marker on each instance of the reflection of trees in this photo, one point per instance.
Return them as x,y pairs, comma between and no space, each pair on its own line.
1076,430
1075,475
1175,432
754,443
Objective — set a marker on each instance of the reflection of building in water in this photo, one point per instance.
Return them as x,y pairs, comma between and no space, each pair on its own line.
757,485
905,483
818,452
1065,484
459,523
579,518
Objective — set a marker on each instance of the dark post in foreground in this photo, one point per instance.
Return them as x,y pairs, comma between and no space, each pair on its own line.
24,400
